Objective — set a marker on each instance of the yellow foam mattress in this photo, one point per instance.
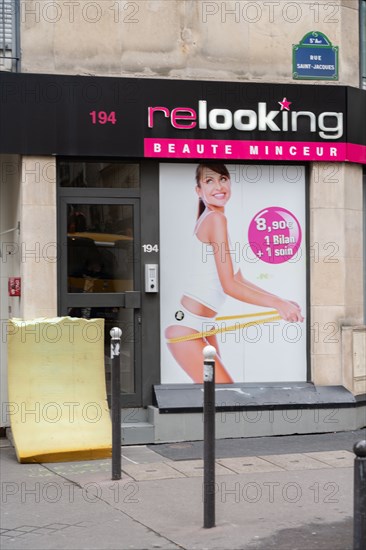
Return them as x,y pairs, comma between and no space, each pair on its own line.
57,395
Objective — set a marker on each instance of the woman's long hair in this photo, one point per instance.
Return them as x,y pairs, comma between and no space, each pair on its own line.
200,173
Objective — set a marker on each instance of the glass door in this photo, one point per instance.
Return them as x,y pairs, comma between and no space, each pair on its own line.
100,276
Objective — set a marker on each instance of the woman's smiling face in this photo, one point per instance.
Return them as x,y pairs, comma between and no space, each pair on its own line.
214,189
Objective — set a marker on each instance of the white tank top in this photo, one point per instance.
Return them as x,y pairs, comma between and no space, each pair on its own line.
204,284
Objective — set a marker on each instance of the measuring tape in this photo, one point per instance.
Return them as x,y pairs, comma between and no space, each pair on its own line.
214,331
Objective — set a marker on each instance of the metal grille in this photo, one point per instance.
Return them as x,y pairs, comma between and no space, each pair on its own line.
9,37
6,25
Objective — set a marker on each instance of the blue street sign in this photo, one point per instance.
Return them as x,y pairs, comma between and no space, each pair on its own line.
315,58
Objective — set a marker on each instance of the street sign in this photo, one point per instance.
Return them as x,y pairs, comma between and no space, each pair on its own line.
315,58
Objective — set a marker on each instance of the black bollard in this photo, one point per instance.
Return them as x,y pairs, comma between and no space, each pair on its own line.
209,437
116,334
359,498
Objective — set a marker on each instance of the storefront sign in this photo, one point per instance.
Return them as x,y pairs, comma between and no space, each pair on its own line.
256,150
136,118
247,120
315,58
264,209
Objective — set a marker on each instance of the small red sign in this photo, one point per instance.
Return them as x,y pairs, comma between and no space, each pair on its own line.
14,286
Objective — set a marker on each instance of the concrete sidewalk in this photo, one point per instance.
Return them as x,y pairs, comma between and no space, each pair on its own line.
300,499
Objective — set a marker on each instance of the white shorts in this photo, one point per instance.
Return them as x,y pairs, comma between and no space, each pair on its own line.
185,318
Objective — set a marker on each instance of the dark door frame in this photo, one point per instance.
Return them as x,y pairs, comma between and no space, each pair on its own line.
148,335
148,342
129,299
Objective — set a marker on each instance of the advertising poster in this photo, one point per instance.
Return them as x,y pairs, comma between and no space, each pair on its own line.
236,276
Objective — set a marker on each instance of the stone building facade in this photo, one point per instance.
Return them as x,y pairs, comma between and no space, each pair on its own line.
241,42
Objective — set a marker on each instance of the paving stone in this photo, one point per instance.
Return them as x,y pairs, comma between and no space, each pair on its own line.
148,472
295,462
336,459
12,533
251,464
78,468
140,455
194,468
44,530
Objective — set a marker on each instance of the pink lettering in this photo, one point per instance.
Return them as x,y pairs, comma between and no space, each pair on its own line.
151,111
178,114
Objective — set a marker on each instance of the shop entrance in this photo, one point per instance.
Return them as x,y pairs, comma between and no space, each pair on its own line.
99,274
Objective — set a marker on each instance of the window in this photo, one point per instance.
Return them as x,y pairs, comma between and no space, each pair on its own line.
9,35
363,44
98,174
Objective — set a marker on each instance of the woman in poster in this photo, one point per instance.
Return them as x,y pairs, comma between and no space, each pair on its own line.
215,275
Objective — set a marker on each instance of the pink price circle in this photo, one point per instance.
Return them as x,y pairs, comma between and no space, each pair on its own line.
274,235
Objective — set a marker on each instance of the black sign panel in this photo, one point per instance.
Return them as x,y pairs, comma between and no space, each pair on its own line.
102,116
48,114
356,116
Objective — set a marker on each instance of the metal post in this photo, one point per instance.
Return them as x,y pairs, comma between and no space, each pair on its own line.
359,498
209,353
116,334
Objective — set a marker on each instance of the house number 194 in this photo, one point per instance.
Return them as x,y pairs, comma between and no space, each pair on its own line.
150,248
